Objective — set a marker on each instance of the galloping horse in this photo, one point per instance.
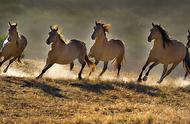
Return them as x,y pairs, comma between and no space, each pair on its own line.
187,45
104,50
165,51
62,53
13,46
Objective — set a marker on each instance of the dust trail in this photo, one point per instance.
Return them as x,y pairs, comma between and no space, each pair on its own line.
16,73
180,82
60,71
32,68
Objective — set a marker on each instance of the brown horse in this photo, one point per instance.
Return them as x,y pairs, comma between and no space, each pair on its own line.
62,53
187,45
104,50
13,46
165,51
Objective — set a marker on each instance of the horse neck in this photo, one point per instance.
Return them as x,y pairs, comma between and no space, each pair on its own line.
57,43
101,40
158,43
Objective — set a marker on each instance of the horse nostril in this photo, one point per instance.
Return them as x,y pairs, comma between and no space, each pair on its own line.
149,39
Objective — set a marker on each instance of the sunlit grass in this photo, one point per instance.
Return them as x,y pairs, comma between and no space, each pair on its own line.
60,98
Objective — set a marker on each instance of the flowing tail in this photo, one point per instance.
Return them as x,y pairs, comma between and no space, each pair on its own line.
186,61
90,63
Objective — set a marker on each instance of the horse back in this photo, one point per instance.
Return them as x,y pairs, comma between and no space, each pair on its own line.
23,41
79,45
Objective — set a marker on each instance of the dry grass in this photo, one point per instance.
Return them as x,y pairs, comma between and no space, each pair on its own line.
61,100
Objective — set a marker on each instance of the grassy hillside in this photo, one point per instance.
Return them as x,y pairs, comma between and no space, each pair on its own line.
24,99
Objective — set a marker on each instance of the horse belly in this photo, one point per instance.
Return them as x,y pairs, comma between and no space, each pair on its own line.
66,58
173,57
110,53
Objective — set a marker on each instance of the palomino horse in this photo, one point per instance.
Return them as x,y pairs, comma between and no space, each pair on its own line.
165,51
187,45
104,50
62,53
13,46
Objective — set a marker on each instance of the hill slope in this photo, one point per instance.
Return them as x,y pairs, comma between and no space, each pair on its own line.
67,100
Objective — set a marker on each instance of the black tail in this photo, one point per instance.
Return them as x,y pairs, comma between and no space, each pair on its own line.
186,61
88,61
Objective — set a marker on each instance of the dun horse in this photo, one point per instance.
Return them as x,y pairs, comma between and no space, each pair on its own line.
13,46
165,51
62,53
187,45
104,50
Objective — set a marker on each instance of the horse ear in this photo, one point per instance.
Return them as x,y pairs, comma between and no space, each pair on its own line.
10,24
56,29
15,24
96,22
153,24
51,28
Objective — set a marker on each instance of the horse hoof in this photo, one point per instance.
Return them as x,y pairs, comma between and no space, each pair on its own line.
139,80
4,71
38,77
159,82
100,75
145,78
80,78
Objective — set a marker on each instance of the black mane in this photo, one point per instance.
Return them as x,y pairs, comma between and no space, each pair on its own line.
61,39
165,37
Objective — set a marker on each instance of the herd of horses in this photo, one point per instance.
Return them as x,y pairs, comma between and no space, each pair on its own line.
164,51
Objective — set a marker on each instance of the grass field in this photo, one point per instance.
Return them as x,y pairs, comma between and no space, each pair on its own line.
60,98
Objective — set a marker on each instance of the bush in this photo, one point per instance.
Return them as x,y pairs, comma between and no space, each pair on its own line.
2,39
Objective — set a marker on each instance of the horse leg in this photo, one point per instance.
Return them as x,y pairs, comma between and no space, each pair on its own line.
96,63
144,67
118,69
19,59
186,74
104,68
165,67
47,66
168,72
4,60
83,63
71,66
11,61
150,68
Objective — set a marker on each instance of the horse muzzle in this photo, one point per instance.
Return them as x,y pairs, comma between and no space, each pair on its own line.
93,37
149,39
48,42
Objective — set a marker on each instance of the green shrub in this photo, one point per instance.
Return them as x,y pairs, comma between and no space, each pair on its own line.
2,39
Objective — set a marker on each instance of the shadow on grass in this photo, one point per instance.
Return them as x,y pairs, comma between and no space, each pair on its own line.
185,89
99,87
145,89
51,90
